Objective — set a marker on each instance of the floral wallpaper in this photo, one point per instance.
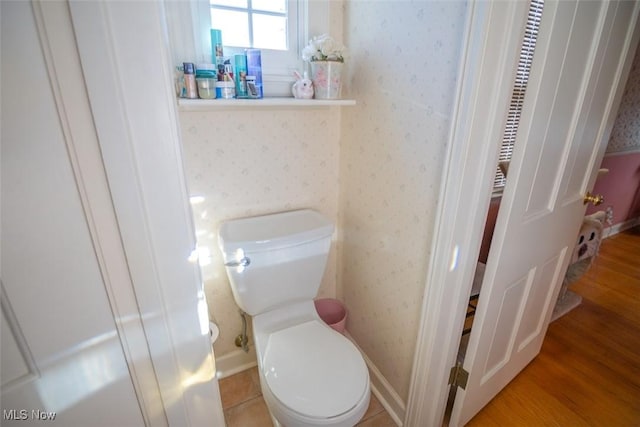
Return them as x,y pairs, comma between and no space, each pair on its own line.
403,76
374,169
250,162
625,135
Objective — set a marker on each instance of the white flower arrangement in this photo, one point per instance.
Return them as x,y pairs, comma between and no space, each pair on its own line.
324,48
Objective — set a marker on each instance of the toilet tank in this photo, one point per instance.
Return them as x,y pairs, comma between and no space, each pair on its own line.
273,260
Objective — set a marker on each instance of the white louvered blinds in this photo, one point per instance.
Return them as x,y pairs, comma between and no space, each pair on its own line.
519,88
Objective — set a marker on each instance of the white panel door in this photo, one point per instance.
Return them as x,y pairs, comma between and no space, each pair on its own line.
62,359
563,132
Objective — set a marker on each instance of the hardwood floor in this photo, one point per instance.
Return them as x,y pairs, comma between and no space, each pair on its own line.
588,372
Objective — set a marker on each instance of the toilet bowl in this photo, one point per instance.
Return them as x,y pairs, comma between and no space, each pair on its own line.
310,375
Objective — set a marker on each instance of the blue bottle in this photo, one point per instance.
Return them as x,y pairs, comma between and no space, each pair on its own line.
254,73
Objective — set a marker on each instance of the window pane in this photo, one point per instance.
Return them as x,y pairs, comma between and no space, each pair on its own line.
279,6
269,32
234,27
232,3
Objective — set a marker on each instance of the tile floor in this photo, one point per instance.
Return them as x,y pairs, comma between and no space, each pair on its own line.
244,407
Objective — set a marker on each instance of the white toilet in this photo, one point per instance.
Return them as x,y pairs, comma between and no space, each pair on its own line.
310,375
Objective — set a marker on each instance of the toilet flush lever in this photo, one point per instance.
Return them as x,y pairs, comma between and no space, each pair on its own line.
242,262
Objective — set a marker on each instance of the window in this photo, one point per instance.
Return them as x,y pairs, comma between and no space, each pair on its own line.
261,24
189,23
276,27
519,89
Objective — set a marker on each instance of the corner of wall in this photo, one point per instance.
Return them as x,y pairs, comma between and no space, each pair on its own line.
382,389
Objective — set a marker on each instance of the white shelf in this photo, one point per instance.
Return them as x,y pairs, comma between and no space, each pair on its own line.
215,104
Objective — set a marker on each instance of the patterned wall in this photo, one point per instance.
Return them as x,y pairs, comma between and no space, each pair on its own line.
251,162
394,143
374,168
377,175
625,135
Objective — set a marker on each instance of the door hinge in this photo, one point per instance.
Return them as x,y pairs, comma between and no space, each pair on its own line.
458,376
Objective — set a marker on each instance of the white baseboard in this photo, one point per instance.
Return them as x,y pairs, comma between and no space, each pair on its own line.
234,362
620,227
381,388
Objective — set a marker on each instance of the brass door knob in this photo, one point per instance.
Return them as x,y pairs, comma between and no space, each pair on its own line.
594,199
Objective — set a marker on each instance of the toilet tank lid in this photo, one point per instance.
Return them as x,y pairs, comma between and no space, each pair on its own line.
273,231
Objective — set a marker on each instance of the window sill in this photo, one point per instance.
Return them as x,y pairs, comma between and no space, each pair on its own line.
219,104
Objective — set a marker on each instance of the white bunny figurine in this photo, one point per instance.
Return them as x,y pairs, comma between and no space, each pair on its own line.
303,87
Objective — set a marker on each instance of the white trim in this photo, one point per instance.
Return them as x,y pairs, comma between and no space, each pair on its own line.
633,150
137,126
235,361
382,389
620,227
64,70
486,74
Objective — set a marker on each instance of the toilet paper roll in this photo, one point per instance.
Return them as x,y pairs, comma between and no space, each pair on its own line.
213,332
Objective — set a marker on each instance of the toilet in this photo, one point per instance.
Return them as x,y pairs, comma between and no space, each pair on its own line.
310,374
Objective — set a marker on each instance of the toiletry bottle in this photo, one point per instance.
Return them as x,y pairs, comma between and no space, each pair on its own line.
241,76
217,51
254,69
181,91
190,80
206,78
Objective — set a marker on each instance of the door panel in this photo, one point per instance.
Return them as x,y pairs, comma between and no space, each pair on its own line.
504,330
560,97
61,352
539,295
574,81
16,363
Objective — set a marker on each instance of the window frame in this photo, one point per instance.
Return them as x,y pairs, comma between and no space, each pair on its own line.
278,66
189,39
252,13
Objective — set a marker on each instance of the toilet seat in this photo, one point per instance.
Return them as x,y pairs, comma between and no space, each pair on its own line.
314,371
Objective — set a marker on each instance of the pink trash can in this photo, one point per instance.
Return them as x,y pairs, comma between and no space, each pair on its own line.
332,312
